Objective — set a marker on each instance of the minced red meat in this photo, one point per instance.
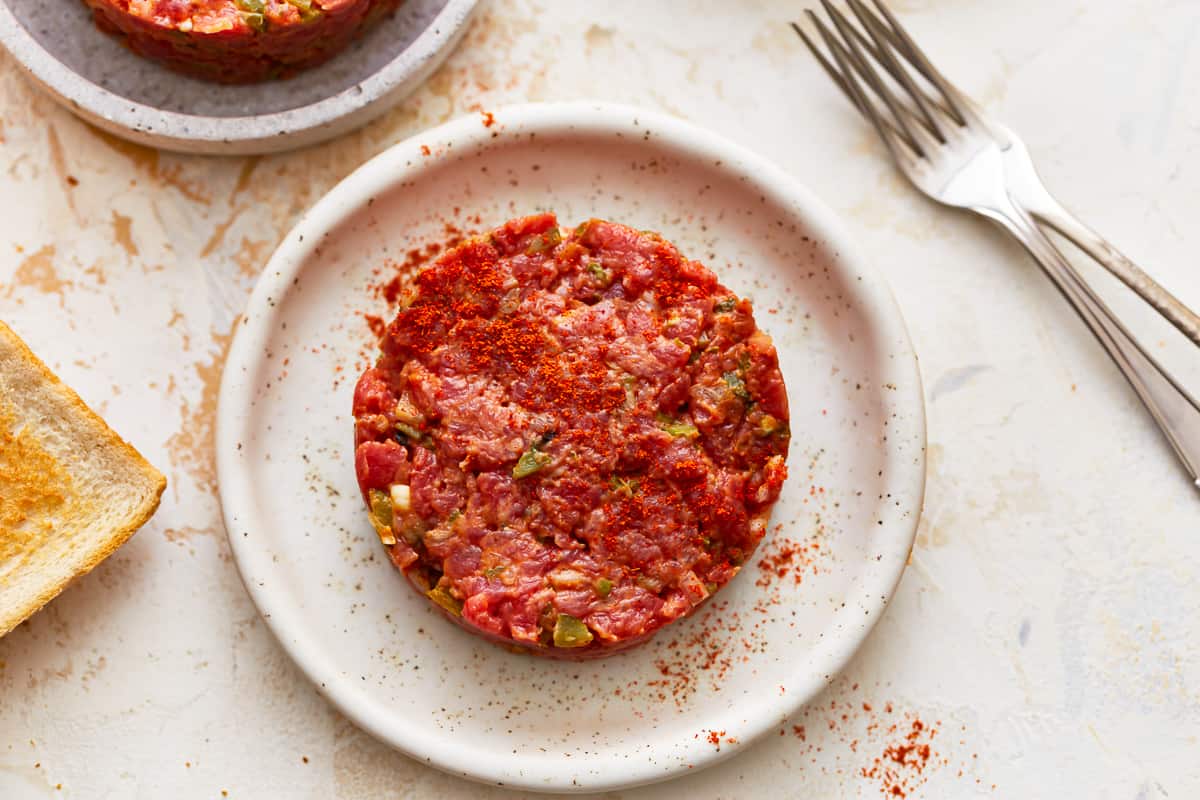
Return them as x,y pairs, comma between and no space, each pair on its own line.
570,439
237,41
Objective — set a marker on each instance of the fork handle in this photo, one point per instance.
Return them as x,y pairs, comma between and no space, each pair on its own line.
1175,411
1050,212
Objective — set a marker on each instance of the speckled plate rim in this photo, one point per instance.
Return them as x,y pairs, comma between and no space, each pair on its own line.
257,133
903,476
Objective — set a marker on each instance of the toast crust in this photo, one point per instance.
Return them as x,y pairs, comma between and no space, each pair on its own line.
59,517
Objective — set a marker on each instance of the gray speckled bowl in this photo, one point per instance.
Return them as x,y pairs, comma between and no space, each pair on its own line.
101,81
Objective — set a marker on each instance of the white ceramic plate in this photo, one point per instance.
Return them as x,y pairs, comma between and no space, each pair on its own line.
757,652
93,75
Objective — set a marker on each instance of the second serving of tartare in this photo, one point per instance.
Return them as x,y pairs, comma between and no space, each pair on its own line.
238,41
572,437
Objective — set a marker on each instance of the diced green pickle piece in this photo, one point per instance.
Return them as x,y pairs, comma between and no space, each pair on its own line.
413,532
681,429
406,412
381,506
734,382
382,515
769,425
530,462
547,241
570,632
581,230
253,12
599,273
603,587
410,431
305,7
443,598
623,486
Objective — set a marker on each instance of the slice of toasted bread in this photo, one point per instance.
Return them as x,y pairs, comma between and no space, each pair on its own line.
71,490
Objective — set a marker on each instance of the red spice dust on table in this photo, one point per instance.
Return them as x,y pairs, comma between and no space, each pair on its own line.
894,751
904,761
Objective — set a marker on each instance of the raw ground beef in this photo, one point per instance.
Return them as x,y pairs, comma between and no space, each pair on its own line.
571,438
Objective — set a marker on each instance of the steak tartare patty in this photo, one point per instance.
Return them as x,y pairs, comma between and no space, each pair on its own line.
569,441
237,41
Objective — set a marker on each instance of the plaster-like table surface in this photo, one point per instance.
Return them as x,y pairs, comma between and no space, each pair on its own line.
1049,624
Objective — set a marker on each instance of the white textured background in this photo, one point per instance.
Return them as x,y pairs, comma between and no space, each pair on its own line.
1050,623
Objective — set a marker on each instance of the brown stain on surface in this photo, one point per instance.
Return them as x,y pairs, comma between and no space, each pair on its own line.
96,272
49,674
185,339
185,532
123,233
218,234
932,529
779,43
59,162
252,256
362,767
596,37
191,448
37,272
471,82
94,668
1017,492
243,181
147,160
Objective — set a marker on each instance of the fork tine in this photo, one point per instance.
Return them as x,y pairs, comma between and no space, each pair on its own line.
833,73
872,77
890,135
898,44
921,62
829,68
883,53
865,42
944,96
893,68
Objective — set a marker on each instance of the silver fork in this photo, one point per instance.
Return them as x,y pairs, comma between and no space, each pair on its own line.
952,151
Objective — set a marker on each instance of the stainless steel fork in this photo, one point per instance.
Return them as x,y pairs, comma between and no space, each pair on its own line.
952,151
